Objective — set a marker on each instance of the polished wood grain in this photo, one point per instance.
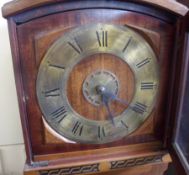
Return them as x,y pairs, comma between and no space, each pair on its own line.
79,5
15,7
172,5
127,151
19,88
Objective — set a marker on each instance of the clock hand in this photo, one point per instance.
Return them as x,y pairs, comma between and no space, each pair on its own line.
121,101
111,96
106,98
106,103
124,102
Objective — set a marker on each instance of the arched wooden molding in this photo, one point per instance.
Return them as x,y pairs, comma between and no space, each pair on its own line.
15,7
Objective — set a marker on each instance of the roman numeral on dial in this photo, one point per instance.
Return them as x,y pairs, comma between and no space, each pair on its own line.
139,108
102,38
52,93
143,63
56,66
101,132
147,85
76,46
59,114
124,124
77,129
127,44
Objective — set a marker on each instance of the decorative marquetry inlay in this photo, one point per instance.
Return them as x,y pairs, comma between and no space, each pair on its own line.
94,168
136,161
73,170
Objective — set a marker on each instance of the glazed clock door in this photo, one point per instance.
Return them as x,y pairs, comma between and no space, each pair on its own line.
181,134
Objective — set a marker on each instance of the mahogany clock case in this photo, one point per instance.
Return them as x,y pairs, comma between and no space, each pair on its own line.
36,36
34,30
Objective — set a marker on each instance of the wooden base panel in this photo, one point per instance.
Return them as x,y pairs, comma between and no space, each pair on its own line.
157,169
150,169
155,164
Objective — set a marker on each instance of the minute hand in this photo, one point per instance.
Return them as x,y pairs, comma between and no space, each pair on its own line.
112,97
107,97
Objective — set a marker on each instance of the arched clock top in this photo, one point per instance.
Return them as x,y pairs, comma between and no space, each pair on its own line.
16,7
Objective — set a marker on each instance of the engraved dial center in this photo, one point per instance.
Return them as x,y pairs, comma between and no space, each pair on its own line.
98,82
100,89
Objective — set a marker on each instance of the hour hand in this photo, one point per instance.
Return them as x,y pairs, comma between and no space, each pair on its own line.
110,96
106,103
106,98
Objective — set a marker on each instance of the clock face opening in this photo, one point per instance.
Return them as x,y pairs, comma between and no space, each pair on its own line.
72,91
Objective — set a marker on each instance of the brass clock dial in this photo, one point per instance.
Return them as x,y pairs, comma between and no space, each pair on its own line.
98,86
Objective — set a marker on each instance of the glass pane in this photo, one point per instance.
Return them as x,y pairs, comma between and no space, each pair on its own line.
182,133
183,139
